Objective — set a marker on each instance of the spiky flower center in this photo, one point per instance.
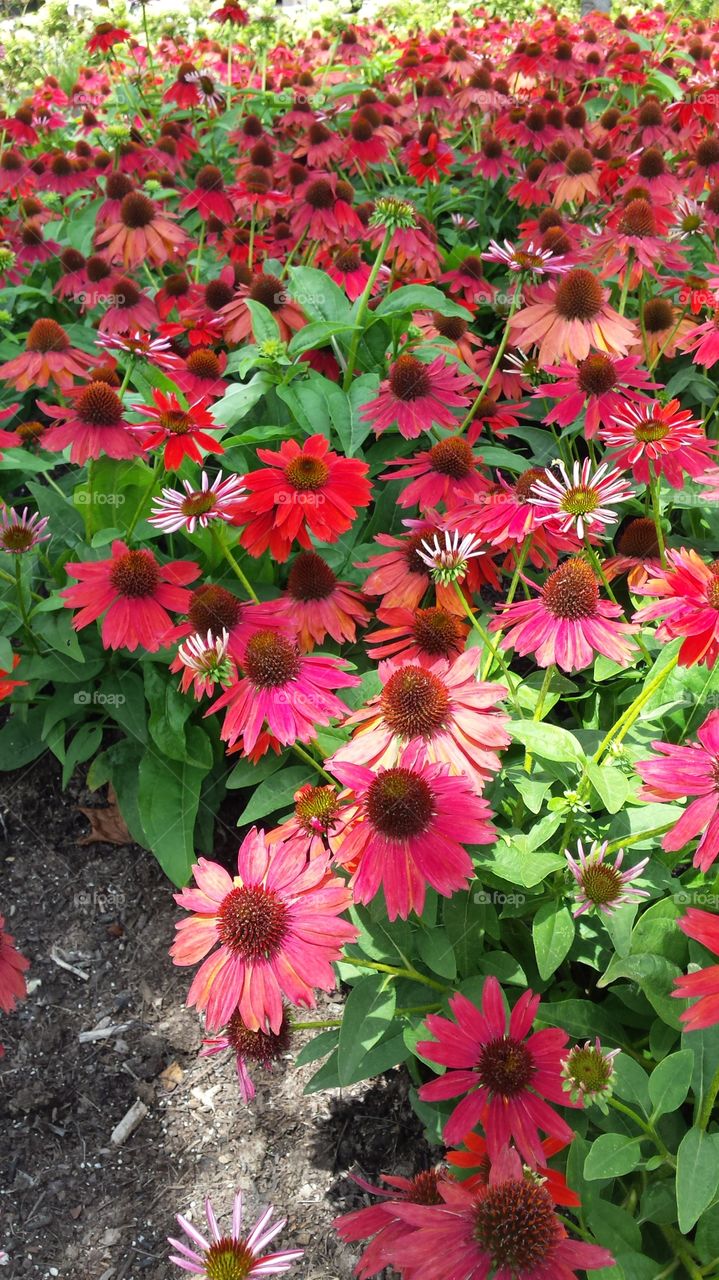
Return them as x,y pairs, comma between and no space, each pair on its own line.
472,267
136,210
658,315
411,548
306,473
126,293
601,882
505,1066
638,219
579,161
452,457
588,1068
258,1046
319,195
451,327
198,503
708,152
596,374
210,178
98,406
516,1225
424,1188
176,421
651,429
271,660
217,294
97,269
135,574
436,632
118,185
639,539
526,482
347,260
30,431
580,500
651,164
310,577
409,379
268,290
400,804
415,703
571,591
17,537
213,609
579,296
46,336
203,363
316,808
252,922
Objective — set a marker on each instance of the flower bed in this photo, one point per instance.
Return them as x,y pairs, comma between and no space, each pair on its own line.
360,465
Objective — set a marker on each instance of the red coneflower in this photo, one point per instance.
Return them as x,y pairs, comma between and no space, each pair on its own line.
105,35
302,490
430,637
183,431
270,291
688,602
319,605
600,385
447,473
129,308
656,439
209,196
703,927
92,425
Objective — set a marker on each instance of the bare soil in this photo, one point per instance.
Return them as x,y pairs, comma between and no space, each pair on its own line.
71,1204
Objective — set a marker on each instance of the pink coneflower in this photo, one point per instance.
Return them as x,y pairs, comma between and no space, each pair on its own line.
92,424
282,690
569,319
313,210
141,234
601,385
682,771
507,1228
20,533
182,431
476,1158
346,267
12,968
214,608
468,282
453,716
204,663
279,932
508,1079
577,179
381,1223
704,928
688,600
408,830
416,396
601,884
430,637
176,510
580,500
533,258
48,357
703,340
656,439
447,473
201,373
318,604
238,1256
664,329
399,575
134,591
492,161
448,558
302,489
364,145
567,622
262,1048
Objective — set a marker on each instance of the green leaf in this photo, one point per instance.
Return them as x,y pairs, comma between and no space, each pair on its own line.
247,773
239,399
548,741
367,1015
419,297
631,1082
168,799
5,655
277,792
553,934
697,1175
264,325
318,1047
612,1155
84,744
610,784
21,740
318,295
316,335
169,711
669,1082
435,949
705,1047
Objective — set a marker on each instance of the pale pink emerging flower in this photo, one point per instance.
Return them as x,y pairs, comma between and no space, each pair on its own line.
600,882
237,1254
533,258
580,500
448,563
20,533
205,663
176,510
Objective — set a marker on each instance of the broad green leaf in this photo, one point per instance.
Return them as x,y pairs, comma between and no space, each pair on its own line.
318,1047
276,792
670,1080
367,1015
553,934
419,297
168,799
435,949
612,1155
264,325
548,741
697,1175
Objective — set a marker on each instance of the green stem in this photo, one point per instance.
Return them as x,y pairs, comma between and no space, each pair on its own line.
200,247
309,759
315,1026
707,1107
495,363
622,726
599,570
239,573
126,377
681,1249
394,972
646,1128
363,304
655,485
146,494
539,709
511,593
626,841
497,655
22,606
625,286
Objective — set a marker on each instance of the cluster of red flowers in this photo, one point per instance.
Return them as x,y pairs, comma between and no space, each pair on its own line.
205,226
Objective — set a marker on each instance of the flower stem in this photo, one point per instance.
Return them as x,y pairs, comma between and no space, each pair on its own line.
22,606
655,485
646,1128
539,709
362,308
394,972
239,573
309,759
496,654
621,727
495,363
599,570
200,247
512,592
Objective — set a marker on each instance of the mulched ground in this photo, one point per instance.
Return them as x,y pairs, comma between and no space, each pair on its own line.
71,1204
